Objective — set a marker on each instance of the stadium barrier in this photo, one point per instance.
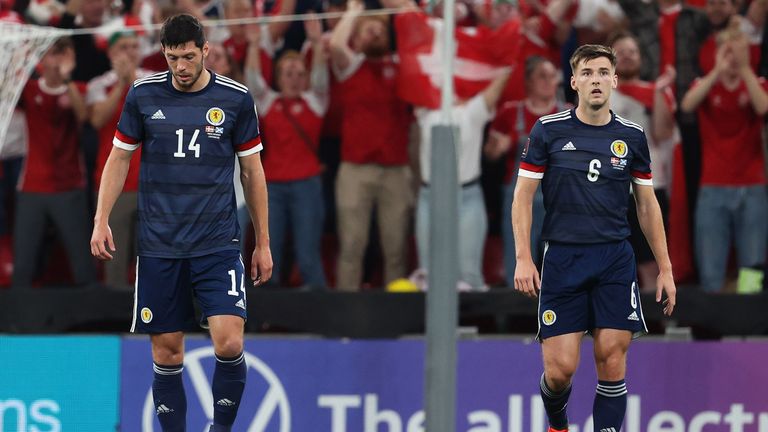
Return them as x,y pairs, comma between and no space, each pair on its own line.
368,314
315,385
59,383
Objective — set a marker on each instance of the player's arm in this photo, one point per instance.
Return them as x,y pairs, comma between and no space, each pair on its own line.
652,224
533,164
112,181
255,191
115,172
526,275
341,53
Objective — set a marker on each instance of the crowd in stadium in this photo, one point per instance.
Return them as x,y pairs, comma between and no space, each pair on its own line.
346,106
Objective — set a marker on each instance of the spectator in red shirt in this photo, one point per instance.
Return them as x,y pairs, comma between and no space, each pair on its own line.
292,121
542,34
270,40
105,96
374,171
723,14
52,184
732,207
508,135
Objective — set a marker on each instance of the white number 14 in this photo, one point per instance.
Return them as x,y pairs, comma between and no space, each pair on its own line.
193,146
233,290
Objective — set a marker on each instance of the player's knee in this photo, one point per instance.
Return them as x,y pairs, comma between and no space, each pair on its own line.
611,366
560,372
167,349
168,356
230,346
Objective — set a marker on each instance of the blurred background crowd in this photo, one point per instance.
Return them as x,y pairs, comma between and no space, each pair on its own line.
346,106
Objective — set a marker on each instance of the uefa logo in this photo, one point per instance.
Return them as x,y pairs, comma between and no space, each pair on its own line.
272,410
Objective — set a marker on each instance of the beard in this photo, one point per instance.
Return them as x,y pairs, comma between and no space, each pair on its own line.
193,78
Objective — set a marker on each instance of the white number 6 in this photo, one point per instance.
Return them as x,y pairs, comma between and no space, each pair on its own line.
593,173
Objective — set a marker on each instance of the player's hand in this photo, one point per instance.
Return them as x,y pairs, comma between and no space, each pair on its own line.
527,278
665,282
261,265
100,240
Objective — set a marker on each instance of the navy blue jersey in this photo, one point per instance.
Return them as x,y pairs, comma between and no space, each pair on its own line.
586,172
189,140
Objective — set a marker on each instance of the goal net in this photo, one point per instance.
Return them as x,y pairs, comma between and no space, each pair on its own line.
22,46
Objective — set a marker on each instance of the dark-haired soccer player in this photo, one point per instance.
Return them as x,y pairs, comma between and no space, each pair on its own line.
586,159
191,123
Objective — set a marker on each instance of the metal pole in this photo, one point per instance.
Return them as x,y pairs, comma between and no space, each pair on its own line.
442,299
449,50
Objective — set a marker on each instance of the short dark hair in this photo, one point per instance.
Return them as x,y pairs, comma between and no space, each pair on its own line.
180,29
591,52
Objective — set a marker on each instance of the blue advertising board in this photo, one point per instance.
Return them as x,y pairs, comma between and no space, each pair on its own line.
54,384
310,385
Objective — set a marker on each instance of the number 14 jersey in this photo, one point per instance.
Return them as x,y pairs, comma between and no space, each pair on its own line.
189,141
588,172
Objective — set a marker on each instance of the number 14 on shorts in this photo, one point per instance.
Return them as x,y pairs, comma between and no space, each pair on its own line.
233,290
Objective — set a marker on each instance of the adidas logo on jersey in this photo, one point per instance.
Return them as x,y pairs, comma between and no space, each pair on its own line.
225,402
162,409
569,146
610,429
240,303
633,317
158,115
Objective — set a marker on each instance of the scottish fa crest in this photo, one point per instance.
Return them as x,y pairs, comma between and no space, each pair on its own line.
215,116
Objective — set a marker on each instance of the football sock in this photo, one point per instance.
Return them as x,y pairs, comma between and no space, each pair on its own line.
170,400
610,405
554,405
228,386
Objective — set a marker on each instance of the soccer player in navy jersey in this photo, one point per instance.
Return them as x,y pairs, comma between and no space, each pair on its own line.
585,159
190,123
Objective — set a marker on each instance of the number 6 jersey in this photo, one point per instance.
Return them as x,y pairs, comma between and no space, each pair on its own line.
588,172
189,141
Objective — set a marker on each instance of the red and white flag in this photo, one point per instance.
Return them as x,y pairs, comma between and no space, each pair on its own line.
481,55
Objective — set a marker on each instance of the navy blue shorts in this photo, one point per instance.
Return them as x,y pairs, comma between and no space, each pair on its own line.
584,287
167,287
